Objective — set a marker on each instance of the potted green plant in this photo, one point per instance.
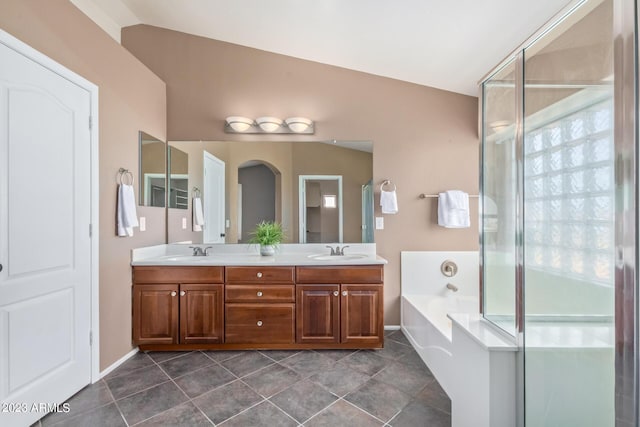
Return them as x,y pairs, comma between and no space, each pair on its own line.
268,235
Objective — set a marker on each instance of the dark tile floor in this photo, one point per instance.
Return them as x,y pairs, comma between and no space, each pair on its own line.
388,387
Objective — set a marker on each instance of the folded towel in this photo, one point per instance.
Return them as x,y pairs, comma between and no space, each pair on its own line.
389,202
453,209
126,210
198,216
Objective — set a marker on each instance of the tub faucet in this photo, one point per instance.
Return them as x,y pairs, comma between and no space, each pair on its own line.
452,287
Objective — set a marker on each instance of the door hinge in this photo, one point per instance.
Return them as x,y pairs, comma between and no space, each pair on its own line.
90,337
90,230
90,123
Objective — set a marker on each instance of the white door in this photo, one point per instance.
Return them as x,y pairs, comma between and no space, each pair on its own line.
213,194
45,247
323,205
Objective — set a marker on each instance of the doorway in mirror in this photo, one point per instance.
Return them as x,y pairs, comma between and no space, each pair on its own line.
213,192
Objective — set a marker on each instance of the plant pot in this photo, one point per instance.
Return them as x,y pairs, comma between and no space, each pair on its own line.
267,250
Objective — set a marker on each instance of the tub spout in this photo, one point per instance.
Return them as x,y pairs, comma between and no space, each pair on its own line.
452,287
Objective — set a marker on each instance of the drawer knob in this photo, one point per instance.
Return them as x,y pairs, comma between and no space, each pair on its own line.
259,323
259,293
182,293
344,293
335,293
173,293
259,274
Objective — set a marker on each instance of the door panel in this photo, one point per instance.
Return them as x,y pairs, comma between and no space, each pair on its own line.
155,314
53,312
45,247
318,313
361,313
201,314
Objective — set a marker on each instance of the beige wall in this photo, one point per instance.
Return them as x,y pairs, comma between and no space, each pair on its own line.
131,99
425,139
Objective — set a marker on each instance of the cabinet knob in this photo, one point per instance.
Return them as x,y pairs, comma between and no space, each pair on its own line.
259,323
182,293
335,293
259,293
174,293
259,274
344,293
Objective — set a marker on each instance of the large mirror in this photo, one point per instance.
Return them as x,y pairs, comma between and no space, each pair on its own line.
321,192
152,178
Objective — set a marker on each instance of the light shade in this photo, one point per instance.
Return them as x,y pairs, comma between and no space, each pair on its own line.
298,124
269,124
239,124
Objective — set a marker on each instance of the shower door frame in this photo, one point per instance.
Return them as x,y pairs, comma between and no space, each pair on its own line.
626,110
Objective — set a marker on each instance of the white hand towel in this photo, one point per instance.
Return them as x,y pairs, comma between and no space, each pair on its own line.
198,216
389,202
453,209
127,217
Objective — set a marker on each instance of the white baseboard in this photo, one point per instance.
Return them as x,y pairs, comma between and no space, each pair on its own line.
118,362
391,327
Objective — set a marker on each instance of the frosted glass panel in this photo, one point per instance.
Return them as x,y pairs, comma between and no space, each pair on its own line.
569,224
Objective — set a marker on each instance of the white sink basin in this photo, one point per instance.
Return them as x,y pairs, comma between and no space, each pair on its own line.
338,258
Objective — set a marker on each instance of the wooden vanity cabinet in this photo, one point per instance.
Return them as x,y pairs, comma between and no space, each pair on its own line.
340,305
190,311
248,307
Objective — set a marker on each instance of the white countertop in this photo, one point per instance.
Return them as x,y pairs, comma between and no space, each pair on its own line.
180,254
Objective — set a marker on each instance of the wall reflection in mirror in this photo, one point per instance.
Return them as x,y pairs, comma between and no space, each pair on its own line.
178,163
152,179
243,183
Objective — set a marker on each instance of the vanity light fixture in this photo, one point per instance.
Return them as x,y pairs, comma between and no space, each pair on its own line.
298,124
267,124
239,124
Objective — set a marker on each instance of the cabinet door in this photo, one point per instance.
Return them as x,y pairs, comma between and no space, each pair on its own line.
201,314
155,314
317,313
362,314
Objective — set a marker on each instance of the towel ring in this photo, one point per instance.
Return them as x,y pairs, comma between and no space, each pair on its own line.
196,192
122,173
387,182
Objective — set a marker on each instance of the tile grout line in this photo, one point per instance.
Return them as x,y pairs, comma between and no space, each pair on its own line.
115,402
58,423
189,399
365,411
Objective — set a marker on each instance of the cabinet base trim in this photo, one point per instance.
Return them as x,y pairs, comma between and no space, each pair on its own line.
315,346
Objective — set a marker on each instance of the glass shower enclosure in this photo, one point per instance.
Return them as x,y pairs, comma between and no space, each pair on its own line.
557,245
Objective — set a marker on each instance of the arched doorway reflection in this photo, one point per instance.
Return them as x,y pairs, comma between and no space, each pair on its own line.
258,196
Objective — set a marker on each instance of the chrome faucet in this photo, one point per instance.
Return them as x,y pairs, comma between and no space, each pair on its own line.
199,251
452,287
337,251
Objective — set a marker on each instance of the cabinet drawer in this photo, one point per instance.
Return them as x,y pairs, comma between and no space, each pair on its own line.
260,293
260,323
340,274
164,274
260,274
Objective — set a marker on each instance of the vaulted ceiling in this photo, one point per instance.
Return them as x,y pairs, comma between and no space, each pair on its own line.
447,44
